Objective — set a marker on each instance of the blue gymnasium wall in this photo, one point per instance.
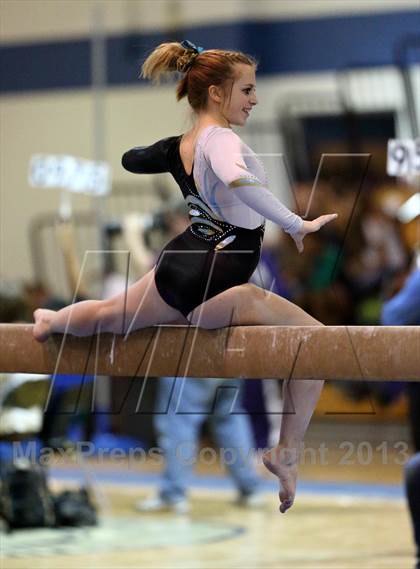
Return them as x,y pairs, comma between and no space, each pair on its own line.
286,46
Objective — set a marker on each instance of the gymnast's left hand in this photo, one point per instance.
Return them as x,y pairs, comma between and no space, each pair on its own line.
311,227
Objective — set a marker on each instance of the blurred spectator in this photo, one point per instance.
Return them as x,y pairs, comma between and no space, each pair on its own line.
404,309
182,406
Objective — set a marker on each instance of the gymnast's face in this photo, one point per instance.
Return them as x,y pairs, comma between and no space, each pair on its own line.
239,96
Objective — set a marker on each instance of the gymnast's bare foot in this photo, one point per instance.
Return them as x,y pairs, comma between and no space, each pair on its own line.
42,328
283,462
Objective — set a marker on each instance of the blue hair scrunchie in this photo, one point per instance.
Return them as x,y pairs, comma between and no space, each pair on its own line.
190,45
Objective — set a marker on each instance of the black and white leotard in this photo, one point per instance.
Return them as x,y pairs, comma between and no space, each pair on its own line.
228,203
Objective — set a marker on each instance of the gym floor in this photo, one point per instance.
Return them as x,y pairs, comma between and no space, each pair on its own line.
341,518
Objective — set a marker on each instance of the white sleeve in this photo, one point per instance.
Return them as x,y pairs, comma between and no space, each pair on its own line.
223,150
266,204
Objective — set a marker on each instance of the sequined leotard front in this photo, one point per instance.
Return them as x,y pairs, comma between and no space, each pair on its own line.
213,254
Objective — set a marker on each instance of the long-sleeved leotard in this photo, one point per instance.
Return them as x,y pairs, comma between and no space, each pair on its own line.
229,202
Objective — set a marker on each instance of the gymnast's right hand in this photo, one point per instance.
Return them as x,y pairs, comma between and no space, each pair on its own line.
311,227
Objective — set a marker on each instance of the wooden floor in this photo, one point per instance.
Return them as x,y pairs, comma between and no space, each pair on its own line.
320,533
341,530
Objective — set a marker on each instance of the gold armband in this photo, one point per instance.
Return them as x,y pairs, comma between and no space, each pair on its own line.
245,182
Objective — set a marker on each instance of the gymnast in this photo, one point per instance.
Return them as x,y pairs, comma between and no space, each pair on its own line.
201,276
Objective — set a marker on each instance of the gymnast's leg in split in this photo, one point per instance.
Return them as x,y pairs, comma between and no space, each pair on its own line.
249,305
140,306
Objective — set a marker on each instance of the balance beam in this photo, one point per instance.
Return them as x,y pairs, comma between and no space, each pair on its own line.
283,352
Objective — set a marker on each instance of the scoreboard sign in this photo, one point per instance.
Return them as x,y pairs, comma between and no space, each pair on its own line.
403,157
70,173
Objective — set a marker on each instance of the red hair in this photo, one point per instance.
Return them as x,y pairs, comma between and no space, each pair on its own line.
200,70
